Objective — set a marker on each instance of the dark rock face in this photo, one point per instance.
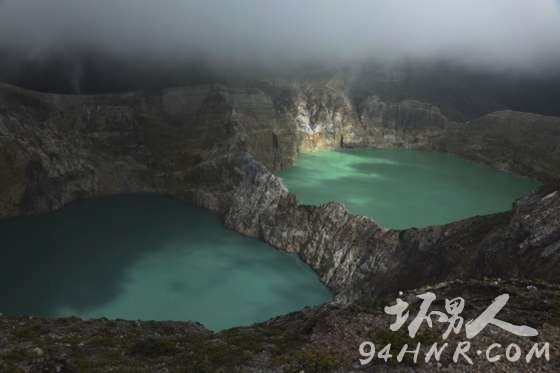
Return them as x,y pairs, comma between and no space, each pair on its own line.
522,143
215,145
407,123
326,118
57,149
529,245
340,246
212,145
355,257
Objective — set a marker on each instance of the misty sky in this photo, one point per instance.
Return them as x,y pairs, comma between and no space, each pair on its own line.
496,33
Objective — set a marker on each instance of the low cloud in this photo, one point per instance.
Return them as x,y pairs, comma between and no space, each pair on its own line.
508,34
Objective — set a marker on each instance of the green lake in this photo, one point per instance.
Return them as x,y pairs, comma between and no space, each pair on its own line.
147,258
155,258
404,188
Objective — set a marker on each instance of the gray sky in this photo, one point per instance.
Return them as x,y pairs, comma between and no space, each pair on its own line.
496,33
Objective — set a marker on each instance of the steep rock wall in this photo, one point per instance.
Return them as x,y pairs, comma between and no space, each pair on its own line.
407,123
357,258
55,149
214,145
522,143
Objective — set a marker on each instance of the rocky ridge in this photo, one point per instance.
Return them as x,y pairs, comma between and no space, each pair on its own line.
55,149
355,257
322,339
215,146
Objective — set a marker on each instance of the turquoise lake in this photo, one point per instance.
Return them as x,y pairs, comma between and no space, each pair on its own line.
404,188
147,258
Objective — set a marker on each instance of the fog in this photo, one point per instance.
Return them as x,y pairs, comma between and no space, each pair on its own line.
499,34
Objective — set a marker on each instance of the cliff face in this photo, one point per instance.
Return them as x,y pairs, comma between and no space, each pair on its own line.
407,123
357,258
522,143
341,247
216,146
56,149
326,118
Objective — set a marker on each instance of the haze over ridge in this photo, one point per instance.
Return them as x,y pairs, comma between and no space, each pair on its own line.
510,34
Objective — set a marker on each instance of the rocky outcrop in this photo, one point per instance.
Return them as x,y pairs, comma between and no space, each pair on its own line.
56,149
522,143
324,339
355,257
326,118
407,123
215,146
341,247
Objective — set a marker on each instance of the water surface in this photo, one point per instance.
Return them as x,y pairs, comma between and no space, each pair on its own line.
148,258
404,188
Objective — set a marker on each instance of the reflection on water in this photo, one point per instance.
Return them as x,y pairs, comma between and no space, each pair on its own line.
403,188
150,258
